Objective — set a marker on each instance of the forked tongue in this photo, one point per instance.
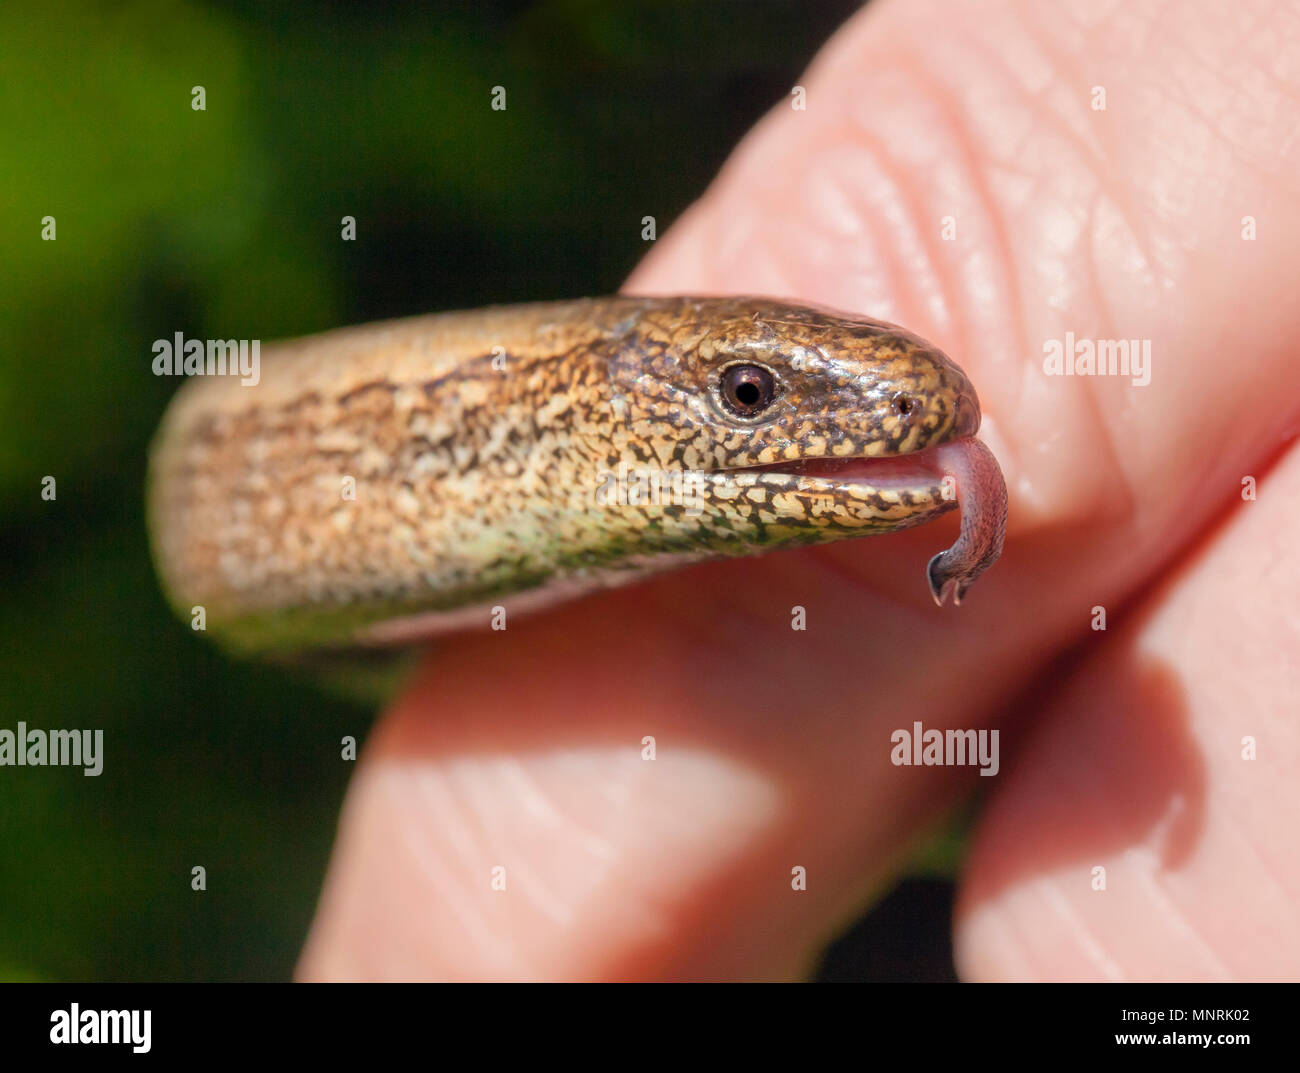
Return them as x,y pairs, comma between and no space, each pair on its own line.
982,496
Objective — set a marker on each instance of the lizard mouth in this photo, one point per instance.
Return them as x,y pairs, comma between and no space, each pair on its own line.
976,485
918,468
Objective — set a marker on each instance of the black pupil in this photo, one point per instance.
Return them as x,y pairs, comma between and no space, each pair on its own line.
748,389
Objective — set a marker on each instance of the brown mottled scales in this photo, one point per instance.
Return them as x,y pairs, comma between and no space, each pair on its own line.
386,481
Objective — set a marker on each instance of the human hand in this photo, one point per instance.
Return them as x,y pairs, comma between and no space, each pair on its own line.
522,748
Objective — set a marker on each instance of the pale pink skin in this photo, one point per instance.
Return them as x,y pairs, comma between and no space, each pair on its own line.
523,748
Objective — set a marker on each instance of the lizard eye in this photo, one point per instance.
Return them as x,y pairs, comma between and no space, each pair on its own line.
747,390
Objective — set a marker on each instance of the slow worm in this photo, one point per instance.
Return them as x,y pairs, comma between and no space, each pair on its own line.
395,480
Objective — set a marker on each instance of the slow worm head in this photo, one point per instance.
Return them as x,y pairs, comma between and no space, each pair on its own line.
385,482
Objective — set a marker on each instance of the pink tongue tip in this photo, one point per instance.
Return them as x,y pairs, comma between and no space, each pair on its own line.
982,494
941,589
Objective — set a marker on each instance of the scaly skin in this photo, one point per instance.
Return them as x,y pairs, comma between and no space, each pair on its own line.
484,447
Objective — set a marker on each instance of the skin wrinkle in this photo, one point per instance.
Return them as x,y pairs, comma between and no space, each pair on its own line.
467,833
1130,502
1091,946
1246,839
1079,120
1186,99
1151,263
1272,166
923,290
541,808
883,253
599,857
435,791
776,268
1124,410
483,793
449,893
1093,403
458,781
963,147
543,898
917,279
757,243
1010,944
1073,123
1167,910
864,236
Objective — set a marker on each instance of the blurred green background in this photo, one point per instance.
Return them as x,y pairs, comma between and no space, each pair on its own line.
226,223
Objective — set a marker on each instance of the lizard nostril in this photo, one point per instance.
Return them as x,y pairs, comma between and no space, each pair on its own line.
966,417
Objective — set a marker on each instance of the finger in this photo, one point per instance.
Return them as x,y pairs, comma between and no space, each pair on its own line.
1148,831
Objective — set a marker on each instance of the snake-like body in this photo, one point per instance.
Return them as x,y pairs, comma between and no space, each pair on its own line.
389,481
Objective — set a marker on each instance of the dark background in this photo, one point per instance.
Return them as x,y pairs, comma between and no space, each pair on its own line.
226,223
